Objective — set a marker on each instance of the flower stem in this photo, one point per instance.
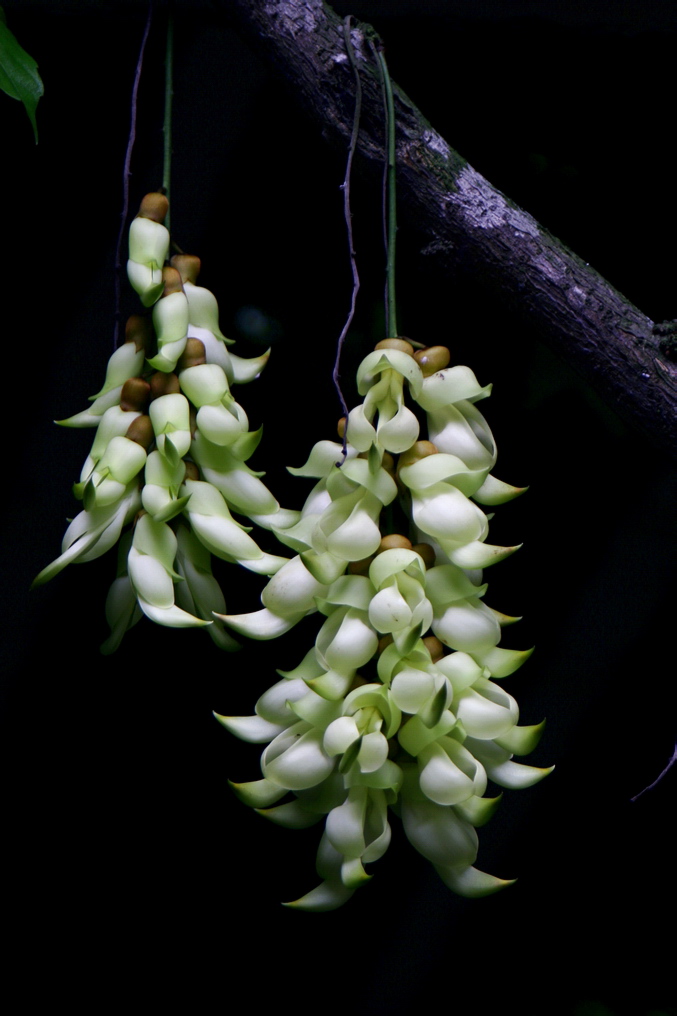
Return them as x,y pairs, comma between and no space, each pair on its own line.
167,128
391,231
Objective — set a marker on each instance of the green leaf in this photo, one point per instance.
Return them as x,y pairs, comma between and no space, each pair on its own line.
19,76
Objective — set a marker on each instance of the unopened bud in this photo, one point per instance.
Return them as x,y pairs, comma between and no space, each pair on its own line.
400,344
188,266
425,551
154,206
135,394
341,427
140,430
192,472
434,647
388,462
360,567
193,355
419,450
172,281
384,642
139,330
392,541
432,359
163,384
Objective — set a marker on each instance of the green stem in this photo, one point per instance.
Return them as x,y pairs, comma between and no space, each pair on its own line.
167,129
391,309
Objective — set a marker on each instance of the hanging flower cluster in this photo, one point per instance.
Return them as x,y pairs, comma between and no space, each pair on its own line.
396,703
170,452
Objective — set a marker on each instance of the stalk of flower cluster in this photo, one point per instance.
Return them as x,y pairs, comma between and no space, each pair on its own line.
396,703
170,452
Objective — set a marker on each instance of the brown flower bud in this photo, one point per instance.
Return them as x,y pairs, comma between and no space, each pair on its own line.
193,355
400,344
135,394
388,462
425,551
172,281
419,450
341,427
392,541
360,567
188,266
384,642
432,359
192,472
163,384
153,206
139,330
434,647
141,431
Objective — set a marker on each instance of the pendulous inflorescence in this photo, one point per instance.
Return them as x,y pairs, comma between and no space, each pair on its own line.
396,705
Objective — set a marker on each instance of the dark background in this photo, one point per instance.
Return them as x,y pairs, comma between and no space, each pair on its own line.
133,871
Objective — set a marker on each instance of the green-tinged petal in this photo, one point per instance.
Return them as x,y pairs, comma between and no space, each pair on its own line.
254,729
326,568
329,895
258,793
516,776
246,370
503,662
274,705
467,625
486,711
292,815
384,359
414,736
440,779
339,735
332,685
411,688
148,242
296,759
378,483
122,612
146,280
346,642
471,882
126,362
261,624
170,510
321,461
171,617
91,417
292,590
454,384
480,555
345,824
494,491
203,384
478,810
353,874
373,752
389,611
522,740
361,432
438,833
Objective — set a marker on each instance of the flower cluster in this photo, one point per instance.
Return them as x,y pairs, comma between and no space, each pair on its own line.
170,452
396,703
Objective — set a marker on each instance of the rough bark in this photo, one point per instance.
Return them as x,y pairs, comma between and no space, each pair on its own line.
463,221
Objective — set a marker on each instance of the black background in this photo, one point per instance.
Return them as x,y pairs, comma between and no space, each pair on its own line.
132,870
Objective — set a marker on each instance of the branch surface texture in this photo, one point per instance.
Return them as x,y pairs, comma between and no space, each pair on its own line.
462,220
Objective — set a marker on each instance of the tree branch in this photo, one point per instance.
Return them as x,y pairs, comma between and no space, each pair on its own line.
463,221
